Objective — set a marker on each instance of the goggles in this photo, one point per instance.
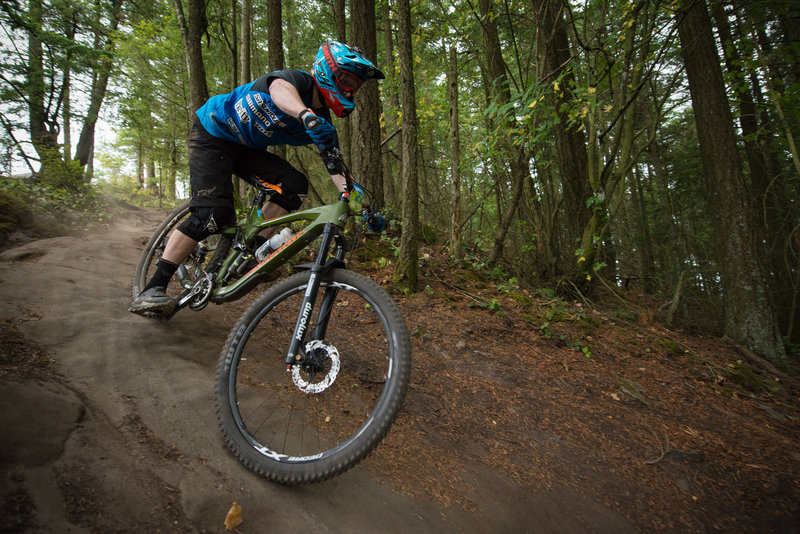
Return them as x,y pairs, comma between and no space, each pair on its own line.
348,82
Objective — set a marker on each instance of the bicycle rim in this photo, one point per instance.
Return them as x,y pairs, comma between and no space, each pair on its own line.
312,424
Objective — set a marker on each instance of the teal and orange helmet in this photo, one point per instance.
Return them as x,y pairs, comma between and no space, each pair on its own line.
339,71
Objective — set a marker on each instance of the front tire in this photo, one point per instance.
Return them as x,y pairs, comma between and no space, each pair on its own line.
320,420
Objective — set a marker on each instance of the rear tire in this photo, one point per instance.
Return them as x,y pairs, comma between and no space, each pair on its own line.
317,422
215,245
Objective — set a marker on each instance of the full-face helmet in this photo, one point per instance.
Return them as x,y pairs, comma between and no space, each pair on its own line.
339,71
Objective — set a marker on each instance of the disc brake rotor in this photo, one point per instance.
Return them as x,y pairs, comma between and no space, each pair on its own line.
319,373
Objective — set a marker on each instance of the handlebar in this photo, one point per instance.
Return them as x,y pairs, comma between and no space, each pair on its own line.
334,163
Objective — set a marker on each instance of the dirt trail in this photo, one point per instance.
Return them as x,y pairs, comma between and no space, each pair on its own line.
118,434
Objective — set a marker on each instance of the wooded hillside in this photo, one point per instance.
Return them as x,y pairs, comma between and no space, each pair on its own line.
645,145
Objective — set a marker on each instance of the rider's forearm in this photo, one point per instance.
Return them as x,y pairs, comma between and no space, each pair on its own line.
339,181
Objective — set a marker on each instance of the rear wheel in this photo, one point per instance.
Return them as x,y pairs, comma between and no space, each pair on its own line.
332,410
190,270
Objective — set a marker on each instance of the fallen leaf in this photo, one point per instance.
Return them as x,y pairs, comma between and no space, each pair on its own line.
234,517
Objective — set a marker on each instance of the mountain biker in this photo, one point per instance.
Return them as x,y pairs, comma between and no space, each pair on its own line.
230,135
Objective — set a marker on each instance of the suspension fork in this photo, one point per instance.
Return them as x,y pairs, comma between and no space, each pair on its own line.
321,266
330,292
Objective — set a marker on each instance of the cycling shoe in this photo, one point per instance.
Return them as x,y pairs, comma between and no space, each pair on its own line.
153,303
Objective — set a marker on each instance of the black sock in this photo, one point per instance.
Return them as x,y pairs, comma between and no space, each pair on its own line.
164,271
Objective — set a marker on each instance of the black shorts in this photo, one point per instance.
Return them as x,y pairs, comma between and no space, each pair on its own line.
212,161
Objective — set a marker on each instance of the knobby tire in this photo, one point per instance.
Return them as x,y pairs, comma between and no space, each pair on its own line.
296,428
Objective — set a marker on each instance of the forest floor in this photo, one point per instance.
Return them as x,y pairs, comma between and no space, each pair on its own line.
526,412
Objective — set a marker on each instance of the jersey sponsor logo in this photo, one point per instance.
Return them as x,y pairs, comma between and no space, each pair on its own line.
257,113
263,130
232,126
244,118
262,104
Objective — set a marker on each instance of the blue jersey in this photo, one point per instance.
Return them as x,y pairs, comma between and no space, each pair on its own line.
248,116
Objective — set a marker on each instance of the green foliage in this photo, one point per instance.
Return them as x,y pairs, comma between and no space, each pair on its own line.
129,192
493,306
428,234
746,377
577,346
69,45
58,174
13,209
50,210
673,348
792,349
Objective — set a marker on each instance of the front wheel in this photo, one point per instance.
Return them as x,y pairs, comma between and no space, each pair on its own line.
327,414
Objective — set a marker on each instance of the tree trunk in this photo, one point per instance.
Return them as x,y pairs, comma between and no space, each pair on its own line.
274,35
768,201
275,57
140,165
343,125
645,251
365,153
340,20
233,44
455,156
749,316
389,90
407,270
747,110
192,29
172,171
501,93
669,250
293,60
85,146
554,55
43,138
66,113
70,25
245,40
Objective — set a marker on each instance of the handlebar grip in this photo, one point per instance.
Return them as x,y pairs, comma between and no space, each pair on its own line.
375,222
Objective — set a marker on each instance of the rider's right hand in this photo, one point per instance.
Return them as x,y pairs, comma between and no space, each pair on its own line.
322,133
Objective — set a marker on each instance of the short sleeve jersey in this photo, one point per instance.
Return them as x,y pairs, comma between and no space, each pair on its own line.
248,116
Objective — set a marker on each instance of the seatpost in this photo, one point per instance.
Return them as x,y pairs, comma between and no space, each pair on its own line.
259,199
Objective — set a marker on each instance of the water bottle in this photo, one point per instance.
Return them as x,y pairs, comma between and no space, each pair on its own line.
273,243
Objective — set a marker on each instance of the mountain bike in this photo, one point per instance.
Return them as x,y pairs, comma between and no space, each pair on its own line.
315,371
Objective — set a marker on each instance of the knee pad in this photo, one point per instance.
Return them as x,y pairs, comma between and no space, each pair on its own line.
207,220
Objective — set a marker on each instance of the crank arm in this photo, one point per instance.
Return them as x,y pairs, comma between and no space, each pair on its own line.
203,284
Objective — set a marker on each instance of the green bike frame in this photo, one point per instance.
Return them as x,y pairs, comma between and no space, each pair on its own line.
318,220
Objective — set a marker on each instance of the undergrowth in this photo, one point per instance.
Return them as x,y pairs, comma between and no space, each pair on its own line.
43,210
138,196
